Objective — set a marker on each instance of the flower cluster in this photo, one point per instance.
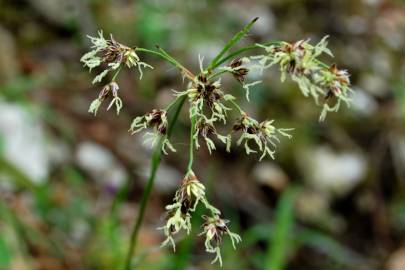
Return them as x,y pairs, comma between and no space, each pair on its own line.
214,228
300,61
205,128
156,119
206,94
209,106
111,53
239,68
263,134
111,88
337,84
185,201
187,197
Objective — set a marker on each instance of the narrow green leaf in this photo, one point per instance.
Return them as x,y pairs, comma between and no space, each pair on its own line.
5,255
242,50
236,38
175,62
162,53
284,222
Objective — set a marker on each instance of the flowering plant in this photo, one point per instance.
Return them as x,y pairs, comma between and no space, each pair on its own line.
209,106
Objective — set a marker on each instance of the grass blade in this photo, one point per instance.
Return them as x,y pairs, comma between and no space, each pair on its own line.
277,253
242,50
236,38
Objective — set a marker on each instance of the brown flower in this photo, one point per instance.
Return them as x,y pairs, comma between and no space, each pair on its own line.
215,227
238,71
115,52
209,91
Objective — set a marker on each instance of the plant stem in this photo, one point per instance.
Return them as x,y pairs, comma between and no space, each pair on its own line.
173,120
186,72
156,158
173,102
237,106
116,74
242,50
191,147
170,59
235,39
217,74
324,65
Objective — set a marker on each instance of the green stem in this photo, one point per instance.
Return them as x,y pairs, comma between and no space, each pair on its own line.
173,102
237,106
116,74
163,54
217,74
322,64
236,38
191,147
168,56
156,158
242,50
186,72
173,120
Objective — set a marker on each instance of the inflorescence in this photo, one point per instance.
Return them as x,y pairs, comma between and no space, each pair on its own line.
300,61
209,106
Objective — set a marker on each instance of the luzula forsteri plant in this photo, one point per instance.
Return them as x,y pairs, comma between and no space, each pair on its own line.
209,105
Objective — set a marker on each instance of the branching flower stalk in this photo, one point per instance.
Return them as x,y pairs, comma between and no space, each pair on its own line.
209,106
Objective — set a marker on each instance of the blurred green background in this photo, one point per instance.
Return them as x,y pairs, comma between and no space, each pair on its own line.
70,183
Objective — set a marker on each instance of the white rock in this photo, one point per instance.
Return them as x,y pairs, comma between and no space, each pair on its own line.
24,142
335,173
270,174
101,164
